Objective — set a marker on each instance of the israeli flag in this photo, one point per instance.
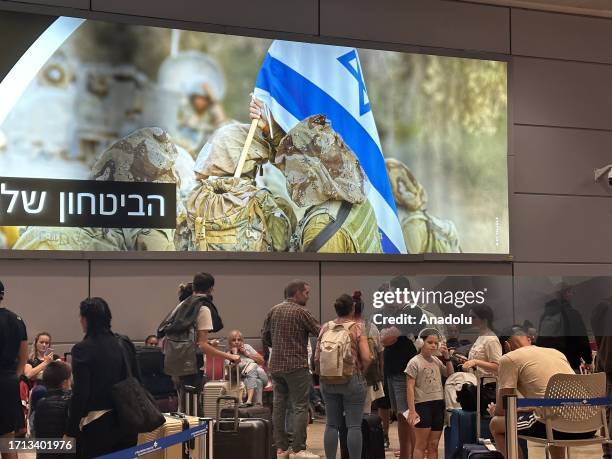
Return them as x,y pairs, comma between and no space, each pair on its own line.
298,80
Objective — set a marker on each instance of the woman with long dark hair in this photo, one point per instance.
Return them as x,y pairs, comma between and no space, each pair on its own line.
97,365
485,353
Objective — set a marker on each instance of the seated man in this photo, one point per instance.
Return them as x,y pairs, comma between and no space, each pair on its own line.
527,369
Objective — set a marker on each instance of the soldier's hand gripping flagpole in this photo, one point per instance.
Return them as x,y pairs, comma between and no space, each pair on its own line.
245,149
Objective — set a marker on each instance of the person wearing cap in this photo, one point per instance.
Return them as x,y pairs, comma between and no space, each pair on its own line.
526,368
198,118
13,356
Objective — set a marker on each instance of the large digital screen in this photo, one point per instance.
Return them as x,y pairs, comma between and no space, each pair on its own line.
118,137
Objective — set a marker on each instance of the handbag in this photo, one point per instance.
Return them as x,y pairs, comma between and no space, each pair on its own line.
134,405
467,397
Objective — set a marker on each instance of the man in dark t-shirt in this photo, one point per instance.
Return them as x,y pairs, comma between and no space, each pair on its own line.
13,355
399,349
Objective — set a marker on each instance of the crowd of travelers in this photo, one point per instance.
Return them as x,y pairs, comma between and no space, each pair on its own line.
347,367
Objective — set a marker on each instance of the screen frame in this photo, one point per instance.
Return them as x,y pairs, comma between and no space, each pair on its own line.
53,12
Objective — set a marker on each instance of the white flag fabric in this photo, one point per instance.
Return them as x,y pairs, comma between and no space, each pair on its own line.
28,66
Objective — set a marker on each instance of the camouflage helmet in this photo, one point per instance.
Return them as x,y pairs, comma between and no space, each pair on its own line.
318,165
145,155
407,191
219,157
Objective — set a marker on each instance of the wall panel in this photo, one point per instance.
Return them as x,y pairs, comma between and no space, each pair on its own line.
79,4
560,161
297,16
438,23
47,293
561,229
558,93
561,36
142,293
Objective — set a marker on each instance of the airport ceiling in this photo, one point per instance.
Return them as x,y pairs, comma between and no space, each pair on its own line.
586,7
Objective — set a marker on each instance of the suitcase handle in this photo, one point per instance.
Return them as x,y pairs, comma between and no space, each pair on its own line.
229,369
218,417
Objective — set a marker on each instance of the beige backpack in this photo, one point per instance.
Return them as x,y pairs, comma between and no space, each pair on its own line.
336,364
233,215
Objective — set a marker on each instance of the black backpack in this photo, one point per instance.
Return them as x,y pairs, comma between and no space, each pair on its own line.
185,316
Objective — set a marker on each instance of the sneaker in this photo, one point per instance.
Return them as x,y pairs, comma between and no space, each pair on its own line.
304,454
280,454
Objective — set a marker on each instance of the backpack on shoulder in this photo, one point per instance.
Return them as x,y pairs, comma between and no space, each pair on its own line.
336,365
179,329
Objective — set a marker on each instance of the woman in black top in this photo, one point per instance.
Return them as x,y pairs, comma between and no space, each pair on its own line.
41,355
97,365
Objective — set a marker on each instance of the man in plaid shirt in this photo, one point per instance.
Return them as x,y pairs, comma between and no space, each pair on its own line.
286,330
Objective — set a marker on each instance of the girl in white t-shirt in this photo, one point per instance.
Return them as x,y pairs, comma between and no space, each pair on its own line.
426,394
485,353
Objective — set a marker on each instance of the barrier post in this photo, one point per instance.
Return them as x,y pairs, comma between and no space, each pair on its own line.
511,429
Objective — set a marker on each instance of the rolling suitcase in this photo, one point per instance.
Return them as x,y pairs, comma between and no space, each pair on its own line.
151,364
260,412
480,452
197,448
249,438
192,401
460,431
373,445
215,389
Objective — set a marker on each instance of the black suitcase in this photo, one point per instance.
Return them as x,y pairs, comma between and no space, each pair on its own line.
249,438
151,364
479,452
150,360
373,438
259,412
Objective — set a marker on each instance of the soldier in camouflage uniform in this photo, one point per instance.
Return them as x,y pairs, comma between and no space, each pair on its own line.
146,155
323,174
423,233
198,119
227,213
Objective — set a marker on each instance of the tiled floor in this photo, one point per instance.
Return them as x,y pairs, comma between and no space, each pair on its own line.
315,444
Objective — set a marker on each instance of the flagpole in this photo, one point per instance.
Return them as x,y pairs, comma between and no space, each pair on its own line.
245,149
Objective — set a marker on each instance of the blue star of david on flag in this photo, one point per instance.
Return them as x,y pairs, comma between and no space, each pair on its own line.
351,62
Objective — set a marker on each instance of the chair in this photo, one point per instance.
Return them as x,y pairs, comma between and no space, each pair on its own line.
574,419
